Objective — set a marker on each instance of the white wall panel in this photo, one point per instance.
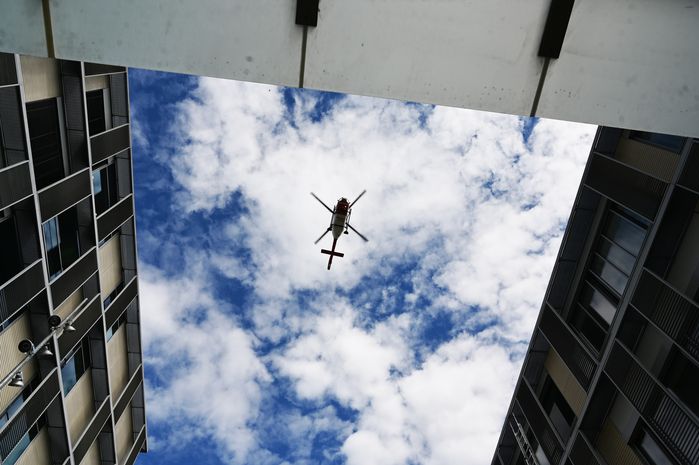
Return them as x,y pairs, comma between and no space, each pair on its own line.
240,39
628,63
22,27
479,54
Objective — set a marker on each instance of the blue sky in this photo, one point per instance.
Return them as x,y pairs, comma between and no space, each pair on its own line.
406,352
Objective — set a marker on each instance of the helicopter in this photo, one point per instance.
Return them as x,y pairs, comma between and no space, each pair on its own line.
339,222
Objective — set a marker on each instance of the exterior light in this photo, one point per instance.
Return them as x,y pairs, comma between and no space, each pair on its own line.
17,380
45,351
25,346
68,327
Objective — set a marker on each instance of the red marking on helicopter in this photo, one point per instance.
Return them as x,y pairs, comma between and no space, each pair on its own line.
339,223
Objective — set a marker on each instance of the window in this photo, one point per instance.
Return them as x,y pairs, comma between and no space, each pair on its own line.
24,442
45,138
651,450
104,183
62,241
76,364
615,253
95,111
19,401
598,302
554,404
665,141
115,327
618,245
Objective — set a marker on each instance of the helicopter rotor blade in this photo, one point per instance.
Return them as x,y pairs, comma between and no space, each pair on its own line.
322,236
358,233
322,203
358,197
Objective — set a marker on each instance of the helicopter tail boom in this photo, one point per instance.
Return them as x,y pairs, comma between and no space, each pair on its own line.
332,253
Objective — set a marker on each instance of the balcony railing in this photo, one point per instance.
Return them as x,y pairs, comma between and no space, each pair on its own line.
675,427
580,362
35,406
548,440
669,310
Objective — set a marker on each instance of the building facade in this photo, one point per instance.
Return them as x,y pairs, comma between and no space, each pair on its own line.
70,344
612,371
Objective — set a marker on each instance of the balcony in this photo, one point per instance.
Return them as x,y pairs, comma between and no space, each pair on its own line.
675,427
43,405
625,185
676,315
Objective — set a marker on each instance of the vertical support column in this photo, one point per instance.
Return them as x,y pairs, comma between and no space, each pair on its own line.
42,247
112,400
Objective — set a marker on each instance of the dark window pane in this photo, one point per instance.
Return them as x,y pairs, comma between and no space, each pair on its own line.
52,243
554,404
625,233
69,375
666,141
614,278
70,236
590,330
597,301
95,111
616,255
44,135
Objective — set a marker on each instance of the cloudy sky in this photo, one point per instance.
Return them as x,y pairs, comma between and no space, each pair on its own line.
407,351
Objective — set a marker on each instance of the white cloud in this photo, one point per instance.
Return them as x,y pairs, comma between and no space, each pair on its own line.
213,378
477,212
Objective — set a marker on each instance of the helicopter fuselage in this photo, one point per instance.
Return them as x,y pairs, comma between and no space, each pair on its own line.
339,218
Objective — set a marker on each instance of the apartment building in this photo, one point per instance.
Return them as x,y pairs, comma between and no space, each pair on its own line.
611,376
70,344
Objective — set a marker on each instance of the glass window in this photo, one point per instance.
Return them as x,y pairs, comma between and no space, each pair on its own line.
115,327
554,404
610,274
52,241
75,366
625,233
598,301
96,182
23,443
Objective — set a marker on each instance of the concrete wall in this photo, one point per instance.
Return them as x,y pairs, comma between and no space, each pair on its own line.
92,457
96,82
71,303
110,265
573,393
118,362
623,63
38,452
42,78
80,406
613,448
124,435
10,357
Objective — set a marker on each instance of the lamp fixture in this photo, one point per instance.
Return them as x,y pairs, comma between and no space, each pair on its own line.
45,351
17,380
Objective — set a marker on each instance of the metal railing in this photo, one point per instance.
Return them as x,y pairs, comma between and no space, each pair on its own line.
523,442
